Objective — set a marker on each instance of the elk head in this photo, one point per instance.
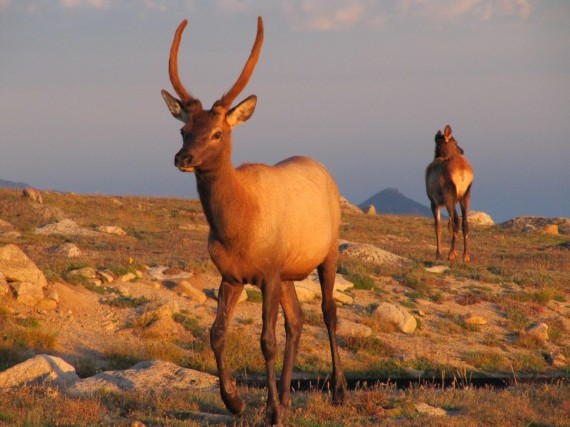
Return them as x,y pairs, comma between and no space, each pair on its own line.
206,134
445,144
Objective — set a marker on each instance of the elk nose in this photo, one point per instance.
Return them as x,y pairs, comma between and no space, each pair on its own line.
182,160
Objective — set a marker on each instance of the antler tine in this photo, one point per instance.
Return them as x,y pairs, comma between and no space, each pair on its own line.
173,64
227,99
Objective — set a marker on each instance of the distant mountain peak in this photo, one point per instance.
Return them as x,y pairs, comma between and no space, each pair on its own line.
11,184
392,201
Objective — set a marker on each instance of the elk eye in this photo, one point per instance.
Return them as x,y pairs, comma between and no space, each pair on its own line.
217,135
182,132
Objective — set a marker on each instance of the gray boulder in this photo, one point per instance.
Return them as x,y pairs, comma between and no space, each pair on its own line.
42,370
155,375
17,267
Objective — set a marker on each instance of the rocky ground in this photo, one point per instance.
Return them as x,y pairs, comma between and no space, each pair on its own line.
388,328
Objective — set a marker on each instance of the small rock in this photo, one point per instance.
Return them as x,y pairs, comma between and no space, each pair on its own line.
106,275
124,291
112,229
438,269
538,330
127,277
373,254
27,293
346,328
161,273
186,288
65,227
397,316
480,218
68,250
86,272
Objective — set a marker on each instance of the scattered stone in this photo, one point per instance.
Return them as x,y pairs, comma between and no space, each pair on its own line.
112,229
4,286
397,316
538,330
5,225
123,291
186,288
65,227
68,250
373,254
11,235
346,328
17,267
86,272
437,269
480,218
27,293
32,194
531,223
161,273
370,210
424,408
156,376
42,370
127,277
309,289
106,275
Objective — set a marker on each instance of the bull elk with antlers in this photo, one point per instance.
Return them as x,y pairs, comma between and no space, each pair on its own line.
269,226
448,181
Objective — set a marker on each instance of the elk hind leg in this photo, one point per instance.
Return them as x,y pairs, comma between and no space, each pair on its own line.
327,273
228,296
437,225
453,229
294,320
464,204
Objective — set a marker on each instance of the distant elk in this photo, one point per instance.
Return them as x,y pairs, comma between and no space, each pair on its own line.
269,226
448,182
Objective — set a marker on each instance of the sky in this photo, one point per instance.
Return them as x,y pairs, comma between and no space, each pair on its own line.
360,85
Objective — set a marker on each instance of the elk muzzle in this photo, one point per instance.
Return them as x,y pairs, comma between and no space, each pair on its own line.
184,162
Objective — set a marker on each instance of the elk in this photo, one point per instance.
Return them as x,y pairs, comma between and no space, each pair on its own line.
269,226
448,181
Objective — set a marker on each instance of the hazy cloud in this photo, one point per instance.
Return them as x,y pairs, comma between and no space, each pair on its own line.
456,9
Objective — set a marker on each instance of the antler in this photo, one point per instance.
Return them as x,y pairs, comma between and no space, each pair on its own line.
227,99
173,65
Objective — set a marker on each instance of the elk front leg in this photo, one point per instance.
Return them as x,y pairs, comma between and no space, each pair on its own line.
271,291
294,320
327,273
228,296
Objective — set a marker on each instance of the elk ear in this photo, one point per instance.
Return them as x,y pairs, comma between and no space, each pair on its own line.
447,132
175,106
241,112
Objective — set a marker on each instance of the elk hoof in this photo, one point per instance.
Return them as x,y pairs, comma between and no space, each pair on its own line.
234,403
452,256
466,258
339,392
273,416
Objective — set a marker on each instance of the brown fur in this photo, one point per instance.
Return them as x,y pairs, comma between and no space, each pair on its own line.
448,181
269,226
